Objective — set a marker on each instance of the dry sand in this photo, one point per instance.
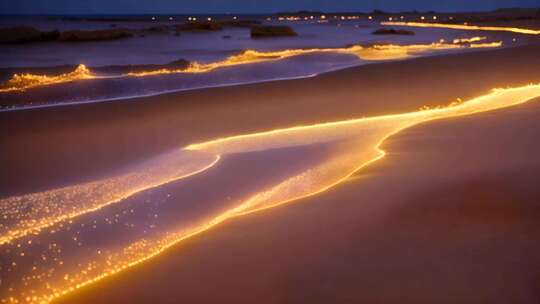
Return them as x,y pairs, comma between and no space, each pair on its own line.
450,215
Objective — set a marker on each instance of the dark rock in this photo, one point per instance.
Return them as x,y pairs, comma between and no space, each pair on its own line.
50,36
159,29
123,69
19,34
227,37
378,12
391,31
272,31
239,23
79,36
199,26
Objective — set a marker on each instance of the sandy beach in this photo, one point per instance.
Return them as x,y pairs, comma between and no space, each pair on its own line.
401,181
397,231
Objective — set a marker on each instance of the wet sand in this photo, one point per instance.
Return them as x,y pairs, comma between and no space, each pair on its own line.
54,147
450,215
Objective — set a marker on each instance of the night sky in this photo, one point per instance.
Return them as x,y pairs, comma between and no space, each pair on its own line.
244,6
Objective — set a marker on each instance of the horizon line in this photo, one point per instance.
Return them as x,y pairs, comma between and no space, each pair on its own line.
374,11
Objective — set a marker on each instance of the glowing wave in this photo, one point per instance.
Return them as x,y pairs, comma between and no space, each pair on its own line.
464,27
20,82
30,213
376,52
469,40
356,144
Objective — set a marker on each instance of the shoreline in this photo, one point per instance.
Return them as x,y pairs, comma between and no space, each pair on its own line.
129,132
83,73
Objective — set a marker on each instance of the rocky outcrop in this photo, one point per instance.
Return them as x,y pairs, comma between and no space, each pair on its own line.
272,31
19,34
108,34
391,31
239,23
50,36
159,29
200,26
25,34
139,68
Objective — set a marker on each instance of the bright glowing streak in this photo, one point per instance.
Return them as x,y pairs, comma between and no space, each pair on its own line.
33,212
466,27
358,144
21,82
486,45
375,52
333,131
468,40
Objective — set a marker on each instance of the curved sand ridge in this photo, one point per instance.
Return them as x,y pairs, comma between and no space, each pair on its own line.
355,145
22,82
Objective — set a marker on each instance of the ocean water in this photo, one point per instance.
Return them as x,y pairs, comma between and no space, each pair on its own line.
194,46
200,47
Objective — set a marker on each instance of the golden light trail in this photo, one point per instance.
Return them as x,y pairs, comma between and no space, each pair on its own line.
356,143
31,213
466,27
375,52
468,40
486,45
19,83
